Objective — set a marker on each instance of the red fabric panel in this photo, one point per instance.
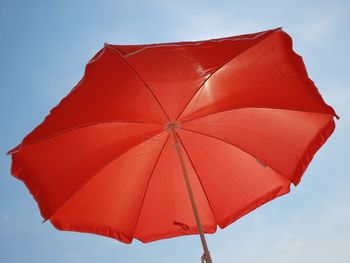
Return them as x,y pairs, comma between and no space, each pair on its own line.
267,75
234,181
55,168
167,210
283,139
109,204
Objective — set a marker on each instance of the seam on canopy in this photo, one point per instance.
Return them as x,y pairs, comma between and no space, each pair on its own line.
257,107
117,53
149,180
96,174
242,188
199,179
22,144
97,56
214,137
268,33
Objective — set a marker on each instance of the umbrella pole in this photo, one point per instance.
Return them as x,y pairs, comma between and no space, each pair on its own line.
206,258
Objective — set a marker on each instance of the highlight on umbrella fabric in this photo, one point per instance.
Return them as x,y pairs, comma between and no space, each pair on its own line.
154,134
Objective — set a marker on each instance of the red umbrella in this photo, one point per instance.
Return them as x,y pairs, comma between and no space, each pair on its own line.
164,140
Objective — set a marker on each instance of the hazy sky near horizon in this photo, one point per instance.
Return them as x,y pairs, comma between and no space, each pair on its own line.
45,46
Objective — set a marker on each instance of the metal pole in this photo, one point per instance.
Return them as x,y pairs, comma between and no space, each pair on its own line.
206,258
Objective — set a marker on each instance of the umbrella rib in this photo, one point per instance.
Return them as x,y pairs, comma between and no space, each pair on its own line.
21,145
258,107
201,86
214,137
149,180
98,172
117,53
197,174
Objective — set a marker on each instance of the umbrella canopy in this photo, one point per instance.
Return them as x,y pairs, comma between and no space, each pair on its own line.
244,117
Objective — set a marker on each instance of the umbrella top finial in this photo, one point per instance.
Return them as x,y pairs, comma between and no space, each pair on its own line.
171,125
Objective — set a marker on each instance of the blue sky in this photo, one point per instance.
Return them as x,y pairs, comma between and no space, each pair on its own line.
44,48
